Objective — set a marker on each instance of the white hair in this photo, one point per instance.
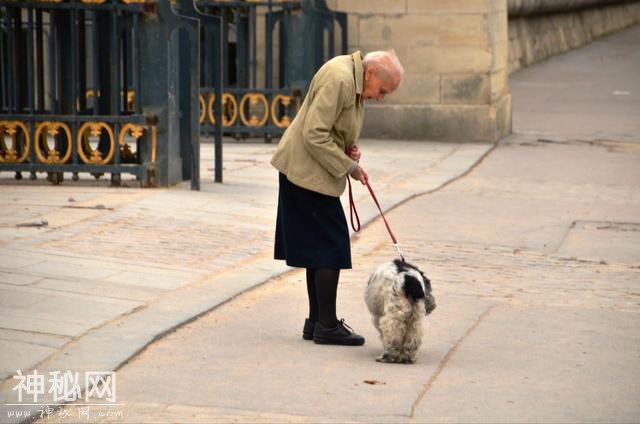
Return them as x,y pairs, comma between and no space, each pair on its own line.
386,62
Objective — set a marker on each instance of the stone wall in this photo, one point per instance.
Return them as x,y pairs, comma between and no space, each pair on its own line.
458,55
455,54
542,28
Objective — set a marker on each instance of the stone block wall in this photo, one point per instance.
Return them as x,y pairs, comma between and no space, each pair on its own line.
539,29
455,54
458,55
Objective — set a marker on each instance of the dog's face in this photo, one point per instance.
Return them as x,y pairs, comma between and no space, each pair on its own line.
416,284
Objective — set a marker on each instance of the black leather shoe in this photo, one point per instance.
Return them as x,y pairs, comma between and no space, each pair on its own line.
307,331
341,334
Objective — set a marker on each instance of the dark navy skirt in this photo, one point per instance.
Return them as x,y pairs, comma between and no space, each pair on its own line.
311,229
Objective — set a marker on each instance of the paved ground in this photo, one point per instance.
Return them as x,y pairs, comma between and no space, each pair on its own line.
534,258
535,323
114,269
587,94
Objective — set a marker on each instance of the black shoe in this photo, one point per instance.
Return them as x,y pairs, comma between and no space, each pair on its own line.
307,331
341,334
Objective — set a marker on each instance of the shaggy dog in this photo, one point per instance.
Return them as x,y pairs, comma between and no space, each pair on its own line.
398,296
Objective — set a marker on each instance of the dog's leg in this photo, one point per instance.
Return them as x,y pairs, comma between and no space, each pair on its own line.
413,337
392,326
376,323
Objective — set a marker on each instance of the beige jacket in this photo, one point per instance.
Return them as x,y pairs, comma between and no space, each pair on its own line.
311,152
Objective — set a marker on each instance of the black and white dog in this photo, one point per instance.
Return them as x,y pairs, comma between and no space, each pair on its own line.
398,296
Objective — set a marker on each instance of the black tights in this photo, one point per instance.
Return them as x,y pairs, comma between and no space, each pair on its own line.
322,288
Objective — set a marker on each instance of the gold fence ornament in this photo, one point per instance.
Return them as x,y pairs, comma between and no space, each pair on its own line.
229,107
210,114
131,97
230,110
154,143
136,132
285,101
95,155
203,109
11,155
52,129
253,99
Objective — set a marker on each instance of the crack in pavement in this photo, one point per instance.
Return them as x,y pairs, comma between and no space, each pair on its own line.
446,360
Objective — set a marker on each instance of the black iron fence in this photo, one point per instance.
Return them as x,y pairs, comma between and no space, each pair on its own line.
283,42
70,74
128,86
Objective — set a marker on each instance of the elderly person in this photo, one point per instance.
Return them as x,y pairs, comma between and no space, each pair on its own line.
314,157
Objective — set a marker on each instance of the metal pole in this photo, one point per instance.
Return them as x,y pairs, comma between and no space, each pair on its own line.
217,84
268,62
30,72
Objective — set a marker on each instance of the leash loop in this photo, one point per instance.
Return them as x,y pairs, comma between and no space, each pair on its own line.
352,209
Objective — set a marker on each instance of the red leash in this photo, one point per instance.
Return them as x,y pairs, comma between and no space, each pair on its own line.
353,212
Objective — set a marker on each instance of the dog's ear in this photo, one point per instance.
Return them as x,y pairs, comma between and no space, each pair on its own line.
429,303
412,288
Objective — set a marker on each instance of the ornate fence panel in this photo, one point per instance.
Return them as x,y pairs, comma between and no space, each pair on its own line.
70,76
304,31
94,86
128,86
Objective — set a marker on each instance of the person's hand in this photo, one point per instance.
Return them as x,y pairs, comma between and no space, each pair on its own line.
354,153
360,175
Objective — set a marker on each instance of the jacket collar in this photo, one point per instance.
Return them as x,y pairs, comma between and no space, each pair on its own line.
358,70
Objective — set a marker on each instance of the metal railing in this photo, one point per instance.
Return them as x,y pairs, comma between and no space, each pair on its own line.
305,31
129,86
70,72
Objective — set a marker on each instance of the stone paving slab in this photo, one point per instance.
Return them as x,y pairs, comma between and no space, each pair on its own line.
577,369
18,279
41,339
41,323
613,237
18,355
56,268
113,289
